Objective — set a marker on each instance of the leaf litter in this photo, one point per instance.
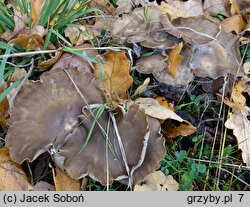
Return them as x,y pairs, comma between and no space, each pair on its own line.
96,98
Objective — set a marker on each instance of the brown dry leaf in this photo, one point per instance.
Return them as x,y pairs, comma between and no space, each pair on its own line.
44,186
235,8
63,182
174,59
185,129
235,23
17,75
78,35
216,6
239,123
164,102
37,6
104,6
238,100
124,6
116,73
154,109
12,177
4,109
31,42
158,181
182,9
46,64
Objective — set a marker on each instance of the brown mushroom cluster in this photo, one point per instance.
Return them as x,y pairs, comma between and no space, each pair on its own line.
62,114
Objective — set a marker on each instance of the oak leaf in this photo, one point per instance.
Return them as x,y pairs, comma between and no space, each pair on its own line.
240,124
12,177
158,181
116,68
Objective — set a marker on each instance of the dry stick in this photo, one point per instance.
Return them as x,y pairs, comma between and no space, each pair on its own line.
124,157
216,131
20,86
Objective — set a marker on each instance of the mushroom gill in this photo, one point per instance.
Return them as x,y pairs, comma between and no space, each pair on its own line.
59,114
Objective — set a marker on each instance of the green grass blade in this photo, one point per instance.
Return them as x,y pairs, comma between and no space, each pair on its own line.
3,63
98,115
9,89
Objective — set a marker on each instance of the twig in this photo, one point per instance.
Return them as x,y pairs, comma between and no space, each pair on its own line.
11,104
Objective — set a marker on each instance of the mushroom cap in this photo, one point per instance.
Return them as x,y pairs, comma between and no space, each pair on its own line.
50,115
46,111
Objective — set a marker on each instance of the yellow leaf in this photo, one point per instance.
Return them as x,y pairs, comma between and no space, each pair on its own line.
185,129
235,8
63,182
12,177
240,125
171,10
116,73
174,59
235,23
37,6
237,101
164,102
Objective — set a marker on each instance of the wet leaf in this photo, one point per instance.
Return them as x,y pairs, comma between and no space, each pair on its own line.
63,182
240,124
158,181
12,177
116,68
174,59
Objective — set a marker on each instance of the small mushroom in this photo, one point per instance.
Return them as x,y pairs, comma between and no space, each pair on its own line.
59,114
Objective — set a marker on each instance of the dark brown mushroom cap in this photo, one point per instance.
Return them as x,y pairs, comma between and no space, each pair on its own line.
138,143
45,111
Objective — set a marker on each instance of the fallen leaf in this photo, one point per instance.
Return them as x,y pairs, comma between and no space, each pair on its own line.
235,23
104,6
216,7
235,8
63,182
116,68
12,177
240,124
185,9
158,181
4,109
164,102
78,35
154,109
46,64
185,129
17,75
124,6
31,42
237,101
174,59
37,6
